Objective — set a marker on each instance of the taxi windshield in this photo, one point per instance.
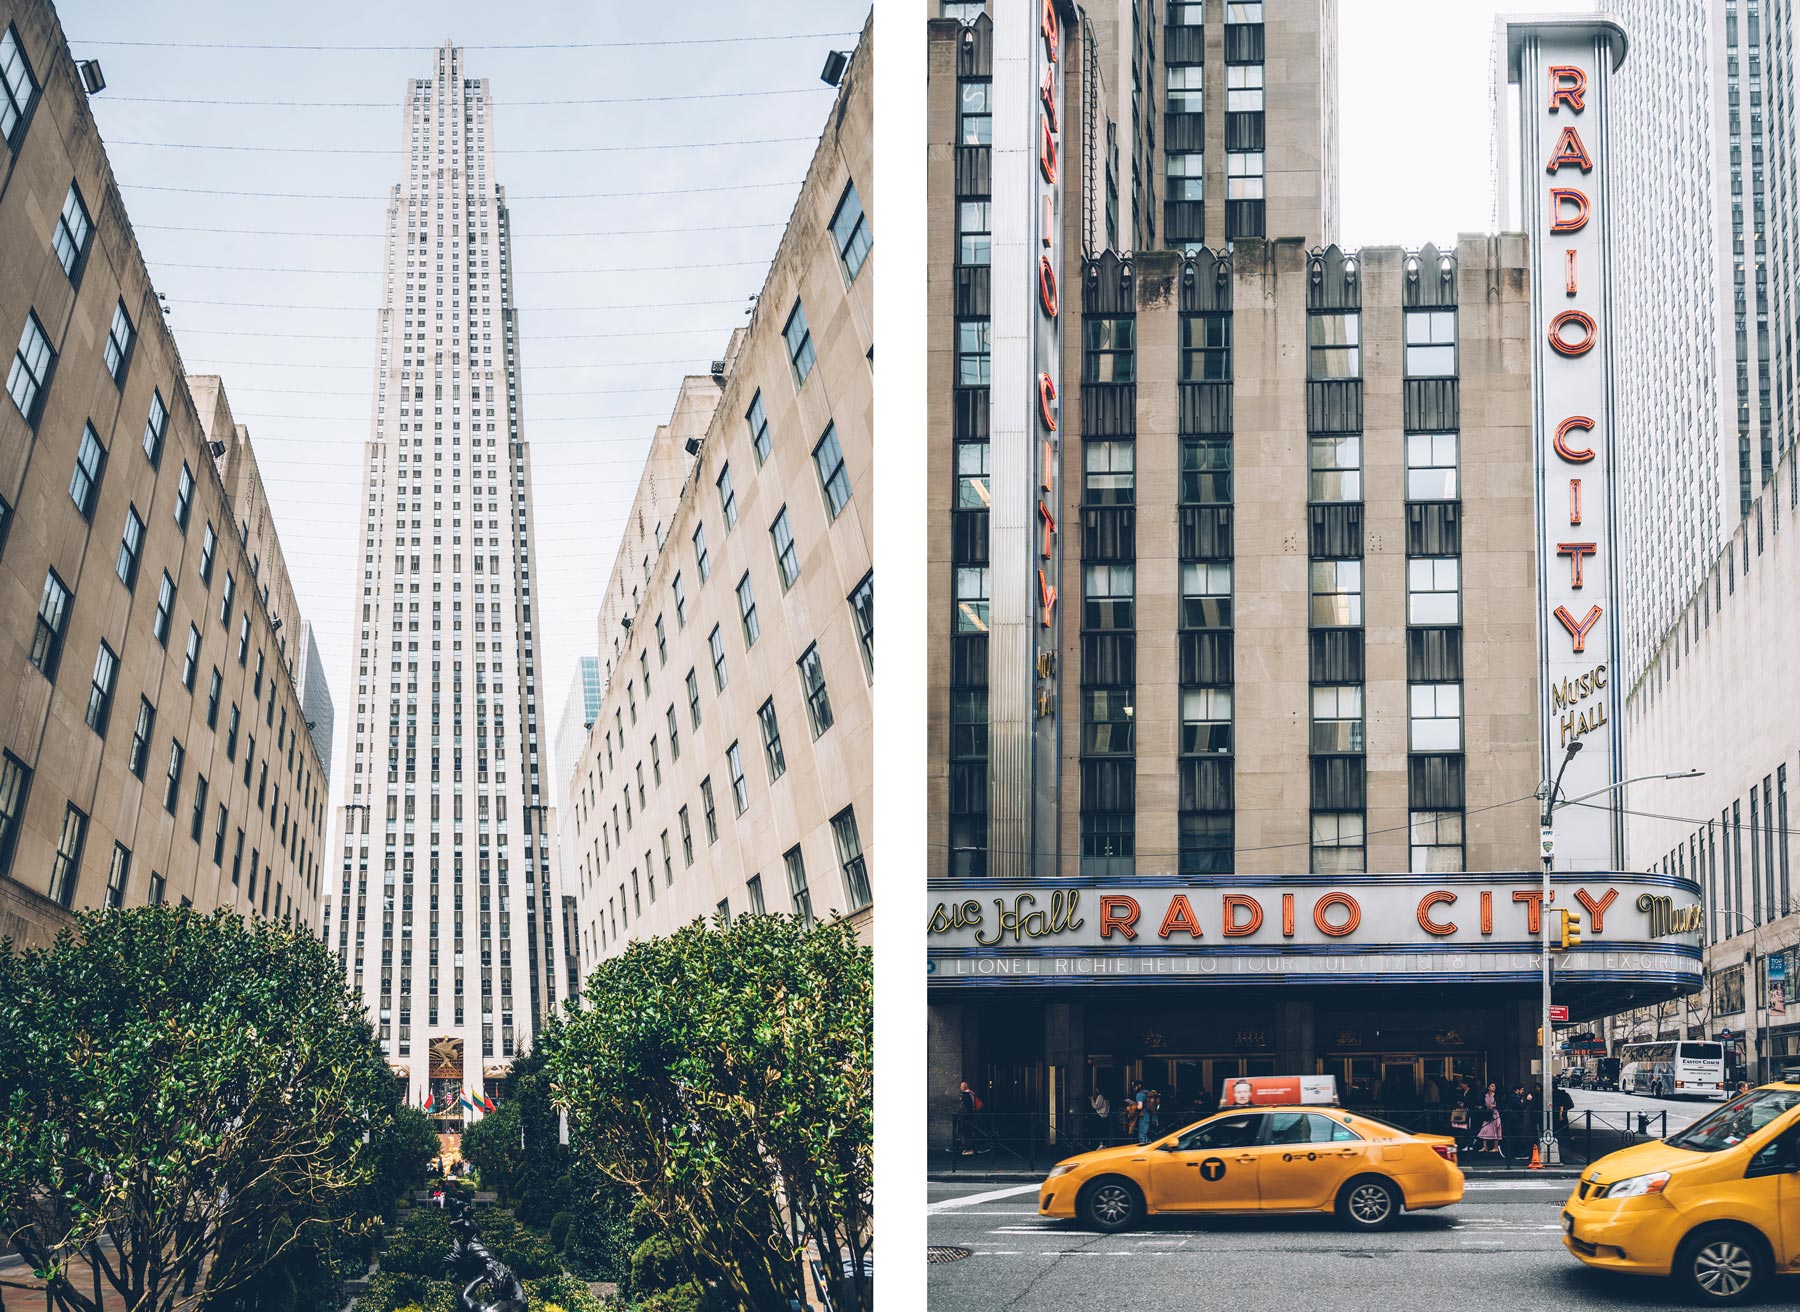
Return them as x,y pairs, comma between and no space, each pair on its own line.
1736,1121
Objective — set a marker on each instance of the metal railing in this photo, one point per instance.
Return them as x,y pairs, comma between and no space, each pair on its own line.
1013,1140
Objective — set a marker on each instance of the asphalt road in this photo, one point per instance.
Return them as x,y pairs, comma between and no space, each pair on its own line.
1497,1250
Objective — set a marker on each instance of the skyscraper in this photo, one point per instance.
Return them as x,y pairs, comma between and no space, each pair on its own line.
445,917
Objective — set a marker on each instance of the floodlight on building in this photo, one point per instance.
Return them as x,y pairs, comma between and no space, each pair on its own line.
692,447
835,64
91,76
275,625
217,448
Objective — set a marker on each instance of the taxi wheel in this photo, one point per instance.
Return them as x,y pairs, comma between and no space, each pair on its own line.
1721,1267
1368,1203
1111,1204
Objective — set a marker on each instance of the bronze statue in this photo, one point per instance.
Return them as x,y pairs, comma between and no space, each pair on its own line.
470,1261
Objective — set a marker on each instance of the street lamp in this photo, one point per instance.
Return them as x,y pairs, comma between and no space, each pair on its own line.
1552,1152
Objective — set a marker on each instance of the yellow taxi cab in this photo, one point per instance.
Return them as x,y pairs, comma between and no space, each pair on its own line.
1280,1145
1716,1206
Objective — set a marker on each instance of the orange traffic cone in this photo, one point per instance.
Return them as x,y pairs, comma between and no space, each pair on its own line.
1537,1163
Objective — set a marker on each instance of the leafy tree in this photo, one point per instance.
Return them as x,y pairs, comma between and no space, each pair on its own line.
403,1155
421,1246
491,1146
201,1093
724,1075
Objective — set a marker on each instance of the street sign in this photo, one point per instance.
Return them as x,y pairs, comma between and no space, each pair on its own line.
1558,1013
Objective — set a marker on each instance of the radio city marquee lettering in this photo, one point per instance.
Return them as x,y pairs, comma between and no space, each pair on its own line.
1048,336
1563,68
1300,921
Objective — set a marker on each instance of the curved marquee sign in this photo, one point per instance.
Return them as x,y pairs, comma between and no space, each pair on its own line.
1394,928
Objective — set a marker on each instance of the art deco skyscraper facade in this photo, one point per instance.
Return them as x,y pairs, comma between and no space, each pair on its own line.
445,912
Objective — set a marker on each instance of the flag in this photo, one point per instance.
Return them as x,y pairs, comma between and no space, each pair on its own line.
487,1103
430,1101
468,1103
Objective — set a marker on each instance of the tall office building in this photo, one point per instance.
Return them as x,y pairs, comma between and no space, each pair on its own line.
445,916
1690,224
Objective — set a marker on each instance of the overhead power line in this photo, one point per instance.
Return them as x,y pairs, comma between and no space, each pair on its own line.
521,45
376,273
535,337
181,301
494,103
402,150
369,195
517,235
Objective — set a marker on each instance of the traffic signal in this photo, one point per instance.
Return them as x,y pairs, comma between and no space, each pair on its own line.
1571,930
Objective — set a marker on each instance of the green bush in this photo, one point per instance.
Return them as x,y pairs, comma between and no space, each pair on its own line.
392,1292
529,1256
421,1246
563,1292
559,1230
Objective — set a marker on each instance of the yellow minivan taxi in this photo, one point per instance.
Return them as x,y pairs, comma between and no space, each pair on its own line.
1263,1159
1716,1206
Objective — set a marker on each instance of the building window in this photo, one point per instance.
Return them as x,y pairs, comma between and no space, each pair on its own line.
117,875
716,642
1431,467
862,611
812,685
1244,175
225,599
972,476
1437,842
119,338
968,724
1430,343
1186,87
15,783
787,556
67,866
1431,591
1337,593
1111,476
693,692
1436,717
797,889
828,462
212,700
687,836
131,549
207,545
740,790
73,228
727,497
706,805
771,736
155,427
1109,597
754,892
52,624
747,611
850,231
199,816
190,665
1243,13
243,651
1337,720
140,737
165,607
1108,836
1337,842
231,732
1109,355
1186,13
974,226
851,859
799,343
1186,171
100,693
702,561
971,599
1206,348
1243,88
90,465
973,353
1206,595
1206,471
977,114
154,897
758,420
1107,726
18,86
1336,468
1205,721
680,601
184,496
1334,345
31,367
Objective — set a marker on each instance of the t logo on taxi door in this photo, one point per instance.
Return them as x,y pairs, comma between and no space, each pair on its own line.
1213,1168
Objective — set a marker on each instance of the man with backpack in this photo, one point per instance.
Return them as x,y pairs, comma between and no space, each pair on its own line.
970,1103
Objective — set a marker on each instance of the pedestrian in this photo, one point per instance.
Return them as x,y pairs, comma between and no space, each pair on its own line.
1564,1107
1140,1110
969,1102
1492,1131
1460,1129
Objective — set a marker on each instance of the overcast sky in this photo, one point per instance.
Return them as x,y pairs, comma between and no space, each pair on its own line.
596,381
